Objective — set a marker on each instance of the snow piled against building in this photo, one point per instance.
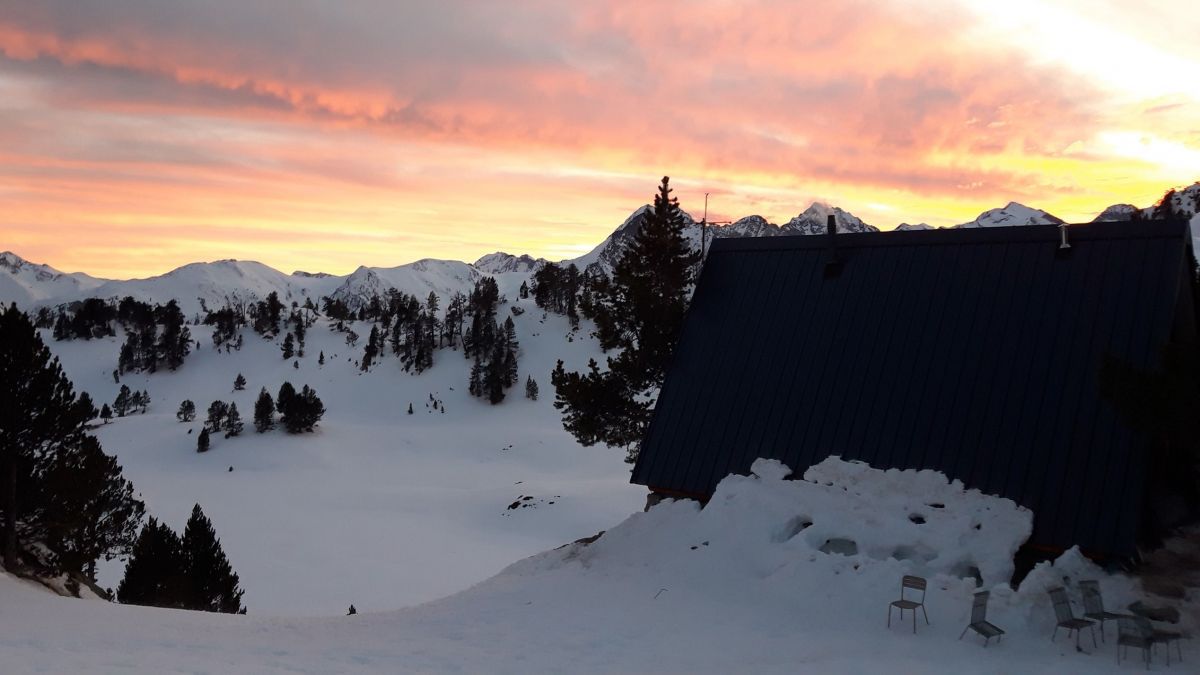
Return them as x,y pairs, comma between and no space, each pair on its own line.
841,515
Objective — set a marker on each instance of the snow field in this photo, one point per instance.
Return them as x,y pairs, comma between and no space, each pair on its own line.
676,589
377,507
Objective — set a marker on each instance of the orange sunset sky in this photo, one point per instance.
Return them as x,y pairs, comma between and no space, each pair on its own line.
139,135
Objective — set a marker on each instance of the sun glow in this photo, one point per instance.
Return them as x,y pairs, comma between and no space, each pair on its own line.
130,145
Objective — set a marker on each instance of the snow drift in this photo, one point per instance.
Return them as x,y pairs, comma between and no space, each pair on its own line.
841,514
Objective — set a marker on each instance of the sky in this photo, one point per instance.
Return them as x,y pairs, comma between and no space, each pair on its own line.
140,135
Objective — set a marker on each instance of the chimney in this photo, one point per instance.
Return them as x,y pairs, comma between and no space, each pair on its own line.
833,266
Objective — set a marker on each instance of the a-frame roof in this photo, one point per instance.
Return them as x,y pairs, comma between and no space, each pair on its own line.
973,352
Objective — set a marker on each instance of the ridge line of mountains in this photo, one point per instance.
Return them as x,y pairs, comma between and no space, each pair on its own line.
200,285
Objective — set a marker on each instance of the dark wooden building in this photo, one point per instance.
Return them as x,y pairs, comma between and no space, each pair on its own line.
973,352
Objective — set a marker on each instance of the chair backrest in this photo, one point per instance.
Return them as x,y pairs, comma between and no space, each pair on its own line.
1134,627
1143,625
1093,603
1062,605
915,583
979,607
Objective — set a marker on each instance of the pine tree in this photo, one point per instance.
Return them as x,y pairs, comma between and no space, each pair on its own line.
212,585
233,422
93,512
283,400
156,572
121,405
264,412
302,410
186,412
47,457
105,413
202,440
321,360
524,290
410,410
372,348
217,410
639,312
289,347
239,383
531,389
175,342
86,406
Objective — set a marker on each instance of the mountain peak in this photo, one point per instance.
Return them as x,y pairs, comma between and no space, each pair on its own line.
501,262
1014,214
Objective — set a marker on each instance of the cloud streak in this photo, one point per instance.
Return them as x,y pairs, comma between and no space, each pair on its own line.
384,117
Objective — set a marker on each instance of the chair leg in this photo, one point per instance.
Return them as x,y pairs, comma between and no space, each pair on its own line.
923,612
1101,631
1094,645
889,616
960,635
1055,635
914,621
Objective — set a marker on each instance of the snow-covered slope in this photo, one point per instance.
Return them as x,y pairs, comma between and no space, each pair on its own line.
907,227
759,581
378,508
1013,214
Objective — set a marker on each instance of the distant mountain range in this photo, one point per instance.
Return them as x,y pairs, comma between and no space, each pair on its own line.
213,284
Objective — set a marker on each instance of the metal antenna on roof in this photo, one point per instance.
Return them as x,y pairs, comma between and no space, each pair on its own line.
1062,229
704,235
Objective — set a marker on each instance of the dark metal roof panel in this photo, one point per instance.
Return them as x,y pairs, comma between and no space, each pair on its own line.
973,352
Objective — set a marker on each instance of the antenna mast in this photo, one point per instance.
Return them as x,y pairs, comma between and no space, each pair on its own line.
704,235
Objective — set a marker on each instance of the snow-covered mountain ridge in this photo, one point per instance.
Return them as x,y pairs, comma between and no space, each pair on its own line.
199,285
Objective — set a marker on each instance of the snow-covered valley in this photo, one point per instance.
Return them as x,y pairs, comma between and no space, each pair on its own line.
378,508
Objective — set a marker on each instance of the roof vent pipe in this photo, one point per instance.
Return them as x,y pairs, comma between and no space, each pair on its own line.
831,233
1063,243
833,266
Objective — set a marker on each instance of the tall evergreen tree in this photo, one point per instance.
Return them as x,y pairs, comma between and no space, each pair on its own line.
175,342
212,583
217,410
639,312
283,400
289,346
90,510
531,388
264,412
233,422
202,441
186,412
121,404
372,348
156,574
105,413
239,383
86,406
46,457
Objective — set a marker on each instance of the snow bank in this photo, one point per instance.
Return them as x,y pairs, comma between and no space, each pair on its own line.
919,516
843,512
